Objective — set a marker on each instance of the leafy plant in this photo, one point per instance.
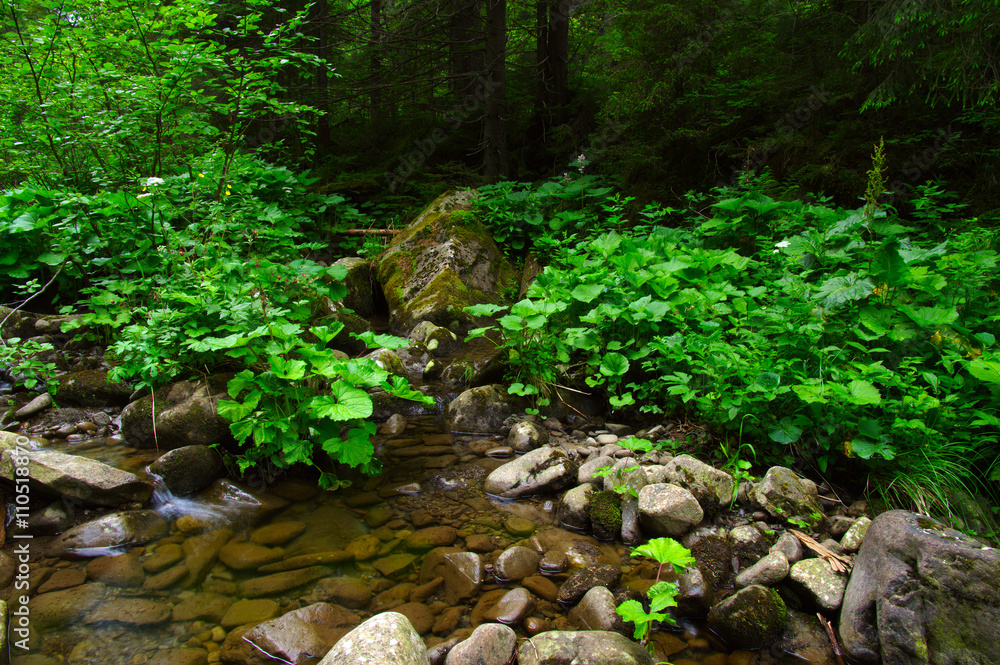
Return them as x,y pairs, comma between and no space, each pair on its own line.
662,595
19,360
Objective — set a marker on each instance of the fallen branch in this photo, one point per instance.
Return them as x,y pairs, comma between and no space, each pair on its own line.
833,637
838,562
367,232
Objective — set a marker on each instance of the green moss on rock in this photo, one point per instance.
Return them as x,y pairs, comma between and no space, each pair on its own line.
606,515
751,618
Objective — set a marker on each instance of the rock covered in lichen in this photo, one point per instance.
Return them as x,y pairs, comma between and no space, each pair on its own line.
751,618
606,515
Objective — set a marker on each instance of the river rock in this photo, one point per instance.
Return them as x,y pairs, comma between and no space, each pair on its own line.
806,640
541,471
36,405
350,592
489,644
360,281
749,619
748,544
596,611
463,572
131,611
63,579
78,478
204,606
385,638
582,648
441,263
116,530
582,581
784,494
418,614
91,387
668,510
919,587
439,341
306,560
250,611
577,549
186,414
481,409
588,470
270,585
278,533
431,537
302,634
200,553
574,507
526,435
248,556
394,426
188,469
851,542
179,657
819,584
788,545
516,563
769,571
513,607
121,571
61,608
712,487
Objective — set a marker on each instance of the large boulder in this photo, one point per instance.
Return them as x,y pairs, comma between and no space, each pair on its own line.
585,647
713,488
189,469
787,496
79,478
482,409
303,634
668,510
186,414
385,638
361,284
922,593
91,387
441,263
542,471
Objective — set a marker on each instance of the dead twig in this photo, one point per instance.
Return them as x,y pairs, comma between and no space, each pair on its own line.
833,638
838,562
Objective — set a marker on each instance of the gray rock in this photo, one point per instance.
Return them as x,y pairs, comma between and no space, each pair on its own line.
588,469
385,638
574,506
91,387
463,572
713,488
819,584
78,478
782,493
631,533
851,542
188,469
36,405
806,640
482,409
922,593
668,510
788,545
489,644
582,648
770,570
439,341
749,619
186,414
359,281
525,436
837,525
516,563
513,607
542,471
626,473
748,544
710,548
582,581
304,633
394,426
596,611
441,263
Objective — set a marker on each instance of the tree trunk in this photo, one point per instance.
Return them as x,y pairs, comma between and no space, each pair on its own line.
495,165
466,49
375,63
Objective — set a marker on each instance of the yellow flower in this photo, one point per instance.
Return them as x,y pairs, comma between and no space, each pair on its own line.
936,338
201,175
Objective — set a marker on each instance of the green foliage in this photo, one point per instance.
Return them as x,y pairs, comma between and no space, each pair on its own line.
20,361
662,595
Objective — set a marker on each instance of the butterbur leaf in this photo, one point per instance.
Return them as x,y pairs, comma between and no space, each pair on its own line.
985,370
587,292
343,403
632,610
291,370
863,392
666,551
325,334
614,364
522,389
785,432
624,400
662,595
485,309
400,387
375,341
768,381
842,289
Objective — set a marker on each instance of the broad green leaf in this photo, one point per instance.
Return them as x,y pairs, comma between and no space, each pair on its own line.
375,341
325,334
930,317
486,309
810,394
888,267
587,292
614,364
863,392
343,403
291,370
768,381
842,289
619,402
662,595
666,551
985,370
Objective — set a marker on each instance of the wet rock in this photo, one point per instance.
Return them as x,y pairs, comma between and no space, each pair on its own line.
200,553
394,426
364,547
518,526
582,581
512,607
631,532
534,625
712,487
668,510
385,638
78,478
431,537
91,387
395,564
851,542
819,584
579,550
525,436
166,579
350,592
751,618
306,560
748,545
919,587
278,533
788,545
482,409
694,596
596,611
179,657
116,530
250,611
463,572
186,414
448,620
270,585
121,571
131,611
418,614
480,543
541,471
782,493
441,263
489,644
574,507
769,571
588,470
248,556
360,281
303,634
36,405
188,469
582,648
605,515
63,579
542,587
60,608
203,606
230,502
439,341
806,640
163,557
8,567
837,525
516,563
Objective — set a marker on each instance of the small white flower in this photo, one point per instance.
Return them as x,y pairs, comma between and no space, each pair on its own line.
775,251
144,195
783,243
153,181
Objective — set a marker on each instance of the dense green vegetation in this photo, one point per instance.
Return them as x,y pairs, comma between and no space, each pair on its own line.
178,174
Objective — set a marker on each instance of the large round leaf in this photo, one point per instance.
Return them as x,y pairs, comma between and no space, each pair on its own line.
343,403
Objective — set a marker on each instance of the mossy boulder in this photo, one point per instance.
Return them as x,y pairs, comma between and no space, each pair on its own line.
606,515
751,618
186,414
91,387
361,283
441,263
